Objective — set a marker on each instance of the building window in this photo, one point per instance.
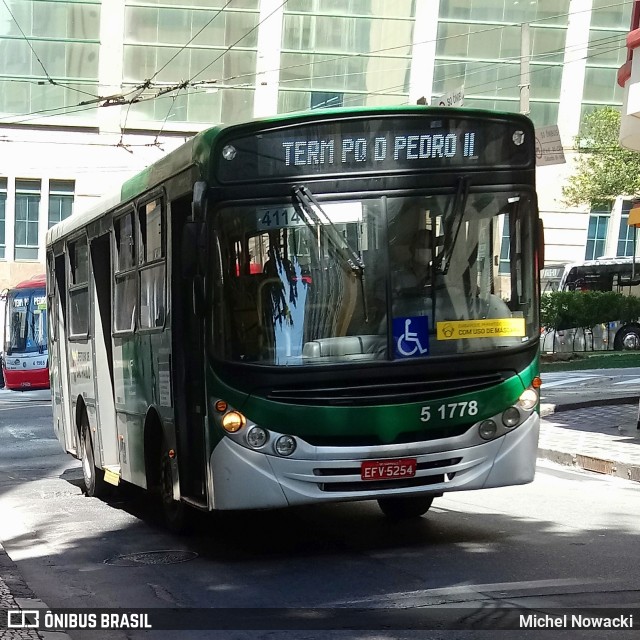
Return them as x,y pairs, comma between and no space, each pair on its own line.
3,214
180,39
609,25
65,35
478,44
596,235
27,214
325,99
330,48
60,200
625,233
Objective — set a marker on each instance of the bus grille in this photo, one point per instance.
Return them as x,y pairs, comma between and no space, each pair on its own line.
371,393
373,440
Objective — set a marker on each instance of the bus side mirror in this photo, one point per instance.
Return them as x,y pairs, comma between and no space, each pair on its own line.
540,244
199,198
189,249
193,249
192,259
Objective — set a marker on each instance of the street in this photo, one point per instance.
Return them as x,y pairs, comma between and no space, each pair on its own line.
568,539
568,386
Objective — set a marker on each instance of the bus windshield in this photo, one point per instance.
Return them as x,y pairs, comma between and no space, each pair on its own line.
26,327
320,281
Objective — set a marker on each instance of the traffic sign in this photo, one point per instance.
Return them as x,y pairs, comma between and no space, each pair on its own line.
454,98
549,146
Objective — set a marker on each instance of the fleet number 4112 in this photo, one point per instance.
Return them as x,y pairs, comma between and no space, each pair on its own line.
450,410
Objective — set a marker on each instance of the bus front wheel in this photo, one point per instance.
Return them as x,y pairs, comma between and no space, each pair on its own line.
94,484
403,508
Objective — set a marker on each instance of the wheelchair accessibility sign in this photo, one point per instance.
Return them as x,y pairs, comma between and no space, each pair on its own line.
411,337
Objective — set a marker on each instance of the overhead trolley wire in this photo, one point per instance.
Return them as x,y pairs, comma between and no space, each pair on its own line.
120,99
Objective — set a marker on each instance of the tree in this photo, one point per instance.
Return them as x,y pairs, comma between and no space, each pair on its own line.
605,169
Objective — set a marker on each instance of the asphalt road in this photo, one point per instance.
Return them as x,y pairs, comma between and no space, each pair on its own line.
567,539
590,384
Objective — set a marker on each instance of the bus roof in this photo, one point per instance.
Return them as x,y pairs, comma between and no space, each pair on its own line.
602,262
196,152
607,265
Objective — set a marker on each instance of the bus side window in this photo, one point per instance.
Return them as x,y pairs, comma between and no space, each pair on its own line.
125,280
79,287
152,264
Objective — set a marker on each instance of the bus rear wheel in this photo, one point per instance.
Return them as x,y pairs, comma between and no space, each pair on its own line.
177,515
405,507
628,339
94,484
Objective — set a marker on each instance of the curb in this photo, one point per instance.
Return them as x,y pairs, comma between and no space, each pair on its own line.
589,463
548,409
22,397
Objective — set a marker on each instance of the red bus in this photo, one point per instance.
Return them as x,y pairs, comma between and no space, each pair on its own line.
25,364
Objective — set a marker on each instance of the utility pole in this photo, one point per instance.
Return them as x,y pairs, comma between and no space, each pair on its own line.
525,53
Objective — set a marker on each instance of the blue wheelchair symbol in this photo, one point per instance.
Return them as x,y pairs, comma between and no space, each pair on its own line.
411,336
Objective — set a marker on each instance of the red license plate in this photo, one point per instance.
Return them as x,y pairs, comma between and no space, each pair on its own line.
388,469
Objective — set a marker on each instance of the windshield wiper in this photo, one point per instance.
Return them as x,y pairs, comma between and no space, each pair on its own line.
456,214
315,217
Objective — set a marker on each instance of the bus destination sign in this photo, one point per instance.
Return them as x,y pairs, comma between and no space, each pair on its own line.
352,149
375,144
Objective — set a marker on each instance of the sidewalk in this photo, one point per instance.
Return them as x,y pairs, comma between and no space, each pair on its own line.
597,435
15,594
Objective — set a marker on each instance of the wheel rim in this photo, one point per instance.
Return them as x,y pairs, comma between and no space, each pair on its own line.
631,341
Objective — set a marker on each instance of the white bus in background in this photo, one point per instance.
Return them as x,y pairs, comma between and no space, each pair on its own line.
621,275
550,277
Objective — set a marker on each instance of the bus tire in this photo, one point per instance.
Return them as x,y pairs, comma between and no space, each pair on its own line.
94,484
405,507
627,339
177,516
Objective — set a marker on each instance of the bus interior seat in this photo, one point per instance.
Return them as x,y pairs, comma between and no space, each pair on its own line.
344,346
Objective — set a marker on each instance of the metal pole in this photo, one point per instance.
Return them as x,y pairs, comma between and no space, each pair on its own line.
633,260
525,53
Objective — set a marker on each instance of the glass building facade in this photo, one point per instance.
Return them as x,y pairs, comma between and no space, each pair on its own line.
49,53
479,45
140,69
185,64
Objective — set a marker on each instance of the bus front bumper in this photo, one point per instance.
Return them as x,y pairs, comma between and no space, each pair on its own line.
247,479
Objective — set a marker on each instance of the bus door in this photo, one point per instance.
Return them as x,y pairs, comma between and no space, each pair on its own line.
189,366
58,358
103,348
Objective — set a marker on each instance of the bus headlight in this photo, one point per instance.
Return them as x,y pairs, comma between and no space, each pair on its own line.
233,421
488,429
510,417
285,445
257,437
528,399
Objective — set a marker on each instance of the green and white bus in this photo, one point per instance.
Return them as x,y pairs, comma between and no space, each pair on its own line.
329,306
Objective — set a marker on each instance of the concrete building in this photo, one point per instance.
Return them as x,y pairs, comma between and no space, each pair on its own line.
629,80
93,91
